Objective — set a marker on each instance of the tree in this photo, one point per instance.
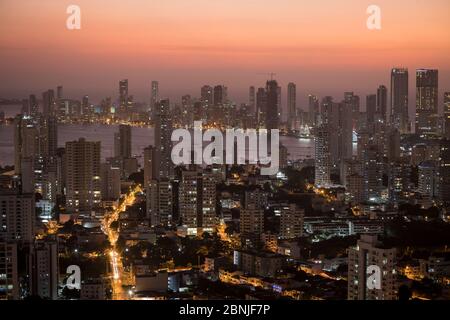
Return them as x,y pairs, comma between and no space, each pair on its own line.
67,226
114,225
404,293
121,243
70,294
137,177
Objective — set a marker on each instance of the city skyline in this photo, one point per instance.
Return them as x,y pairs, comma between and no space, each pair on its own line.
284,99
288,42
223,150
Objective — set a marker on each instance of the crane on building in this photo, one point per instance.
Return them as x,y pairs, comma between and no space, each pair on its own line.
271,74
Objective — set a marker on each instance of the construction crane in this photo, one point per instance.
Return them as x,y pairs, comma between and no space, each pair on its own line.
271,74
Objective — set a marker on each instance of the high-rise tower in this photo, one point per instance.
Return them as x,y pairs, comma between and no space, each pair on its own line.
426,101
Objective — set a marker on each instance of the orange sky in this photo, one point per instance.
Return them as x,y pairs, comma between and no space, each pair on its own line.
322,45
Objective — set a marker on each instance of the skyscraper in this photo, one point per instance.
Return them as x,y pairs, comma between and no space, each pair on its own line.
48,136
31,149
206,103
26,141
345,129
159,202
348,168
59,92
322,156
393,145
292,104
280,106
17,216
152,197
382,102
354,186
220,95
165,202
428,179
123,94
149,164
399,99
163,143
338,120
252,99
352,102
122,142
345,125
313,110
399,182
251,227
27,175
110,181
9,281
187,115
261,107
86,108
82,175
207,96
426,101
48,99
257,197
444,171
154,95
325,109
33,105
371,108
372,172
197,201
447,115
186,101
272,118
291,222
45,275
370,252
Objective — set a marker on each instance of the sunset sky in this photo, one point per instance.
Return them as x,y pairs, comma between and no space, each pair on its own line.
323,45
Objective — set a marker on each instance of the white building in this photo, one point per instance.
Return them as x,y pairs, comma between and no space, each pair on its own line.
367,254
291,222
